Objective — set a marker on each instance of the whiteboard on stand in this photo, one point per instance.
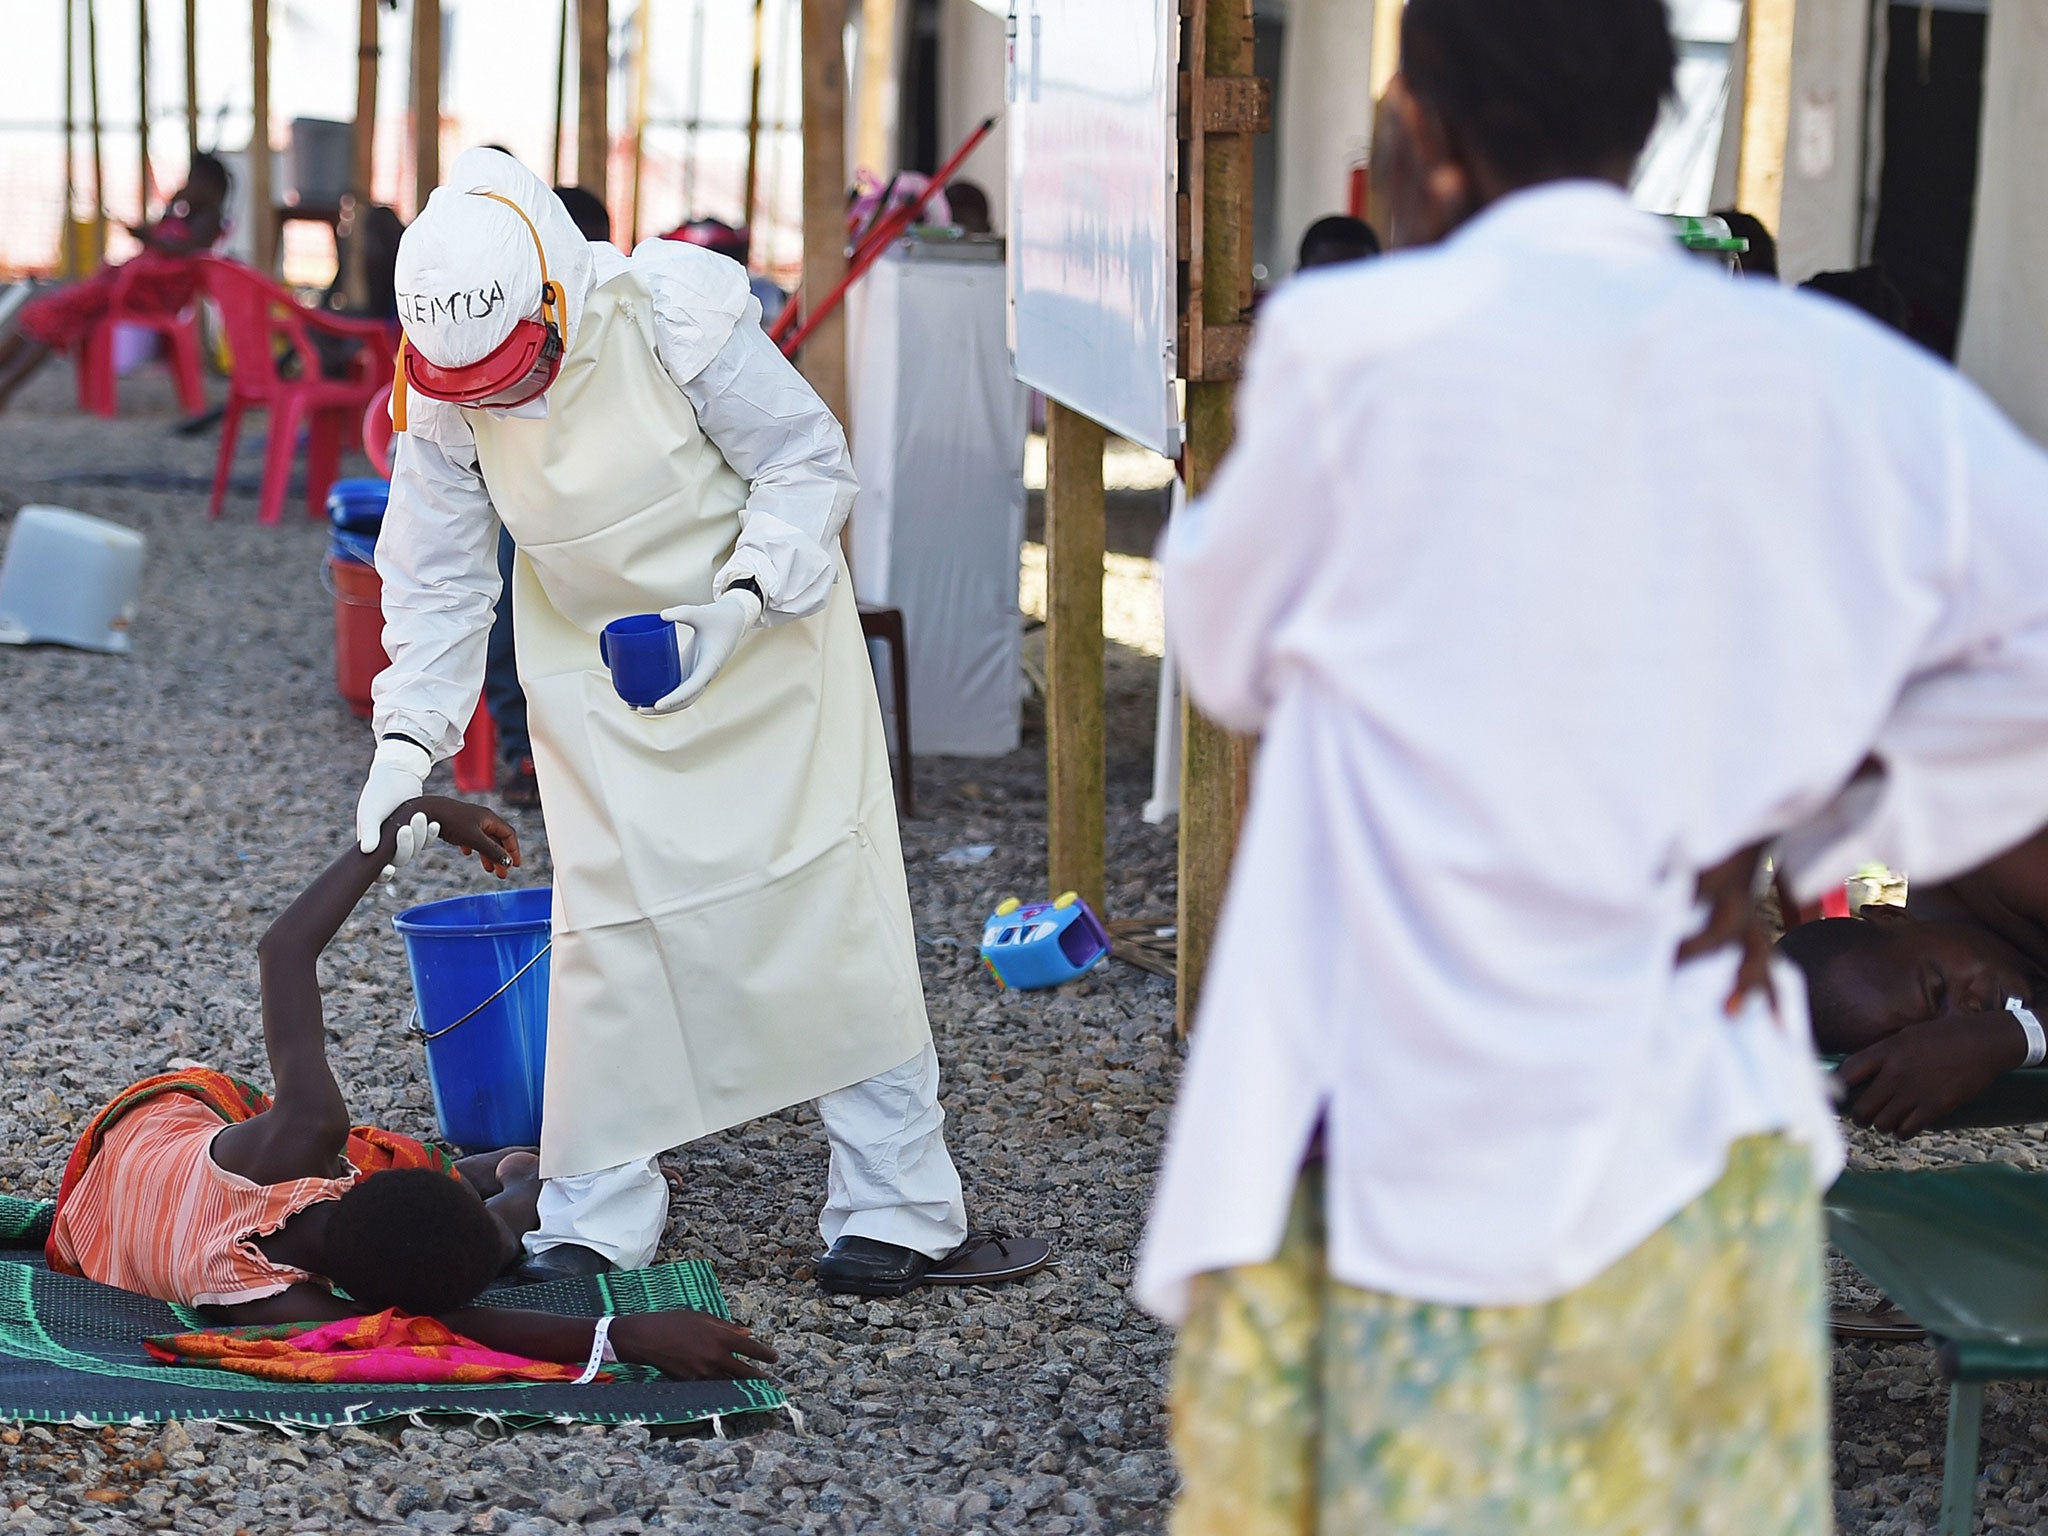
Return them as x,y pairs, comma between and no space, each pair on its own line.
1093,143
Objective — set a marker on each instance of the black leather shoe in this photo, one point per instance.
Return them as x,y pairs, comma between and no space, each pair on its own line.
860,1266
565,1261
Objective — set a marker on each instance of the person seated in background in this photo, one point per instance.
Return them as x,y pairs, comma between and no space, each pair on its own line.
1336,240
380,231
736,245
159,280
1761,259
969,206
1869,289
587,212
1920,998
196,1189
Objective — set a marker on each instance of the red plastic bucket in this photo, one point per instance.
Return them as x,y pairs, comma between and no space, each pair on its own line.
359,657
358,629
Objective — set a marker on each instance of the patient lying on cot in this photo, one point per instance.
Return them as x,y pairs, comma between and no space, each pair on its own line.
1917,997
198,1189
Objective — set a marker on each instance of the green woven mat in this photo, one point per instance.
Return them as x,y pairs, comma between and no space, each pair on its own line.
71,1352
25,1223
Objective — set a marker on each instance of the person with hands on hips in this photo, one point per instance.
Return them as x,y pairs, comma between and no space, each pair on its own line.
732,926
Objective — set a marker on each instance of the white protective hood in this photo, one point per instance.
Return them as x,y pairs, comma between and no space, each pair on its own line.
467,269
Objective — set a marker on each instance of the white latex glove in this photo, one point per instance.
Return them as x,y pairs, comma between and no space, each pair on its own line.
398,773
719,626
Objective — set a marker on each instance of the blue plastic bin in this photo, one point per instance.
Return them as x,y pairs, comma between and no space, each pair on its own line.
480,974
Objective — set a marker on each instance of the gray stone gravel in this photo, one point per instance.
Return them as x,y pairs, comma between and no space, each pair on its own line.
155,811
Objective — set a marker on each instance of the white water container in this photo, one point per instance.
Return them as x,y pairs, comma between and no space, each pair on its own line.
69,579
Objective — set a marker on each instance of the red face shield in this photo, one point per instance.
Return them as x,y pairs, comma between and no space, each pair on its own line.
517,370
520,368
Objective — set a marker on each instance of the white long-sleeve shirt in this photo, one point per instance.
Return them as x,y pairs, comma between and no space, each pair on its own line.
1555,567
437,552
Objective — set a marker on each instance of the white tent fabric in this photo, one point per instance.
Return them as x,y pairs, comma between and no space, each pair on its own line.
938,443
2005,325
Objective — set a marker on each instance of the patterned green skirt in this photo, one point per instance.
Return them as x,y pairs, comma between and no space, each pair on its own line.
1682,1391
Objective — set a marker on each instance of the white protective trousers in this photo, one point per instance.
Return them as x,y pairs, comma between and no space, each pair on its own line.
891,1179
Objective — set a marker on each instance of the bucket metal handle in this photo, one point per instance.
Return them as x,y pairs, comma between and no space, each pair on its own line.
506,986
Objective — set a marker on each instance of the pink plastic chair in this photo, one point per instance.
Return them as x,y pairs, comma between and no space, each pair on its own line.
258,314
180,332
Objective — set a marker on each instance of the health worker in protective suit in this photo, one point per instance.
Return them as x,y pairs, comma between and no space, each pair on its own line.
732,928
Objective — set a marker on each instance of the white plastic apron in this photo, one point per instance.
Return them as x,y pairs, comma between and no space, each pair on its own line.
732,928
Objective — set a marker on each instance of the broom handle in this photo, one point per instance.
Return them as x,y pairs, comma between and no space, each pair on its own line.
882,234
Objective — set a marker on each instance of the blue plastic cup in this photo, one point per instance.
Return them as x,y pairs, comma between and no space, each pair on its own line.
641,651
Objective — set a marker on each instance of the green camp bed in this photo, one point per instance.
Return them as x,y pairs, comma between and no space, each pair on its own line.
1964,1250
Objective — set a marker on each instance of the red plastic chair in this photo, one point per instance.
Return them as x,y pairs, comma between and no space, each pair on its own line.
180,332
257,314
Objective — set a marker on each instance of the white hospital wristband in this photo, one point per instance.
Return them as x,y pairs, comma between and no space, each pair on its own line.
601,1339
2037,1038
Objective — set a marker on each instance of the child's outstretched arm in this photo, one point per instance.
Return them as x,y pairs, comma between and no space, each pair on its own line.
304,1131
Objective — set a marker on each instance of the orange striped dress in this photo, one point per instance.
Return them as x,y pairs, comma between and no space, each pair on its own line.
154,1213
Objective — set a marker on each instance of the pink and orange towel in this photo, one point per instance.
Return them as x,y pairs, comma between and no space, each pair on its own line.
387,1348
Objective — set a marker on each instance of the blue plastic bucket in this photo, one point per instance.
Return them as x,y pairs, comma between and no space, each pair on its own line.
480,975
358,505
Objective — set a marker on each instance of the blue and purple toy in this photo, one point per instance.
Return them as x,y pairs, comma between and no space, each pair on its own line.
1043,944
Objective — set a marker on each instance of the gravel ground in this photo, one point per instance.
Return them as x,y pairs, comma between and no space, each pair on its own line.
158,809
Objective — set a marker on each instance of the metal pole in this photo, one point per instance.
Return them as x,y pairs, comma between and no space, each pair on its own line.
142,108
426,100
561,92
191,80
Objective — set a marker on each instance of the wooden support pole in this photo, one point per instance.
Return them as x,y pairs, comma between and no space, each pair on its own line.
555,173
262,197
92,106
1386,44
146,184
70,262
1766,109
356,280
824,125
750,196
1215,766
426,100
640,64
1075,743
593,97
875,109
191,80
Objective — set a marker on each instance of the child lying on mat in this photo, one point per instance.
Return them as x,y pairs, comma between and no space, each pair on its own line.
1916,997
267,1217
